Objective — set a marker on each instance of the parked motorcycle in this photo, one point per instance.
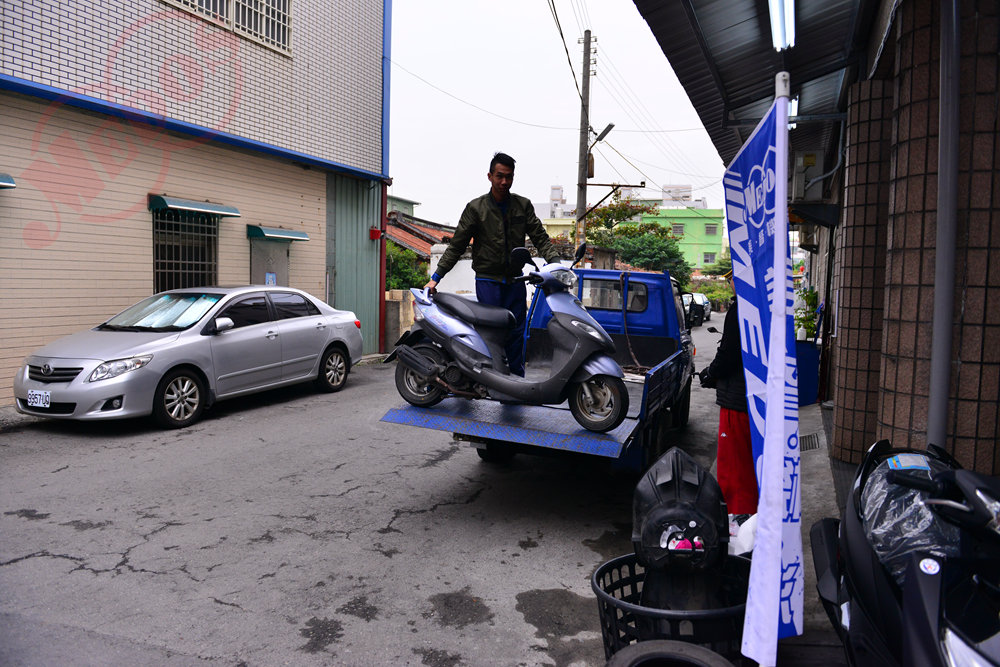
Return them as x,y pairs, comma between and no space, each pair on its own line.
911,574
456,348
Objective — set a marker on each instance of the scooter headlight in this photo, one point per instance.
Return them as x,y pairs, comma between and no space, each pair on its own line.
993,505
588,329
566,277
960,654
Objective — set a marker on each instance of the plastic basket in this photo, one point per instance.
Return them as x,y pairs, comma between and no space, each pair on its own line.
619,584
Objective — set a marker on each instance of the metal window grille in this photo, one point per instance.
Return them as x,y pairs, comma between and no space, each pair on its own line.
185,249
708,258
711,230
266,21
677,230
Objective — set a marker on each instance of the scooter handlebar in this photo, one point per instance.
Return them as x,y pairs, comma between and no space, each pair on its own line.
532,278
914,481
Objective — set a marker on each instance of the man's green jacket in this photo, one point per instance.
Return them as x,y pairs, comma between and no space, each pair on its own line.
494,235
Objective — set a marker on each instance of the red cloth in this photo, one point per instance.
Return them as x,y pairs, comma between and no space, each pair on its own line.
734,462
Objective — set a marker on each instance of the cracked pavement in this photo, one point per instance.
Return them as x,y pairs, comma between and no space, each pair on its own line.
296,528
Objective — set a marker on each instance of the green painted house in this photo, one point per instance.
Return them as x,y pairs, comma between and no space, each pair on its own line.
700,232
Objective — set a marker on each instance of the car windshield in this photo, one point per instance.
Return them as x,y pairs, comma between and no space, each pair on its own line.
163,312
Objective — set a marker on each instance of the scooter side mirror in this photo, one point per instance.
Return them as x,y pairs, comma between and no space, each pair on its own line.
713,330
520,257
581,251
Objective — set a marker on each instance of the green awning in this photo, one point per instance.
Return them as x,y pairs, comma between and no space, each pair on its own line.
7,181
275,234
160,202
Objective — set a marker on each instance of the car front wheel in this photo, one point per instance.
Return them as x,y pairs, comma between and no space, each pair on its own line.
180,399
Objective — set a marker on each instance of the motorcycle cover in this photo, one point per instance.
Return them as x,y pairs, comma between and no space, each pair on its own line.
895,520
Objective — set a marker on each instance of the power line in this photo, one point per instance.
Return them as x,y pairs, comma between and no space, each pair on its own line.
476,106
555,16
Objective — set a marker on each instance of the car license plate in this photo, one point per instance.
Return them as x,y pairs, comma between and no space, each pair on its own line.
39,399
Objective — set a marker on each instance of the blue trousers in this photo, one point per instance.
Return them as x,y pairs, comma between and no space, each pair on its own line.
514,298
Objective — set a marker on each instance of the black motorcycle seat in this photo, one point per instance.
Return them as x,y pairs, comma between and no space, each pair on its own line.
474,312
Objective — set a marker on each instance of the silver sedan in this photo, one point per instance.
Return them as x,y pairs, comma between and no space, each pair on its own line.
177,352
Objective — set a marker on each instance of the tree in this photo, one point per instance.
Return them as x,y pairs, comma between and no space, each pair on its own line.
645,245
403,269
652,247
618,211
722,266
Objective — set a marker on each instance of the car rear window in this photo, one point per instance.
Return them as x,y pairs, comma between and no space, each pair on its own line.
288,305
607,295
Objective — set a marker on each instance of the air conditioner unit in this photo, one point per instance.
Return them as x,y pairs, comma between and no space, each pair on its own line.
808,238
808,165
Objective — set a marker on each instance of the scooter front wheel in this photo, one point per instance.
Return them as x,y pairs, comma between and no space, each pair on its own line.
599,403
418,389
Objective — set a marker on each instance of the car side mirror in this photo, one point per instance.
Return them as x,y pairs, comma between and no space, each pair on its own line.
223,324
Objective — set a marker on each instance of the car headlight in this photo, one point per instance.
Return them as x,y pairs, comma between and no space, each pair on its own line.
567,278
112,369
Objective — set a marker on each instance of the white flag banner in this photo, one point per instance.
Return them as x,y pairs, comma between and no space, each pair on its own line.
756,187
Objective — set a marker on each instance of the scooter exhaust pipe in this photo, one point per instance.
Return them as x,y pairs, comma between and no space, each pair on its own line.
417,362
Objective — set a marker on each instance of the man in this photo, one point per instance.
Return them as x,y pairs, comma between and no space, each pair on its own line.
496,223
734,460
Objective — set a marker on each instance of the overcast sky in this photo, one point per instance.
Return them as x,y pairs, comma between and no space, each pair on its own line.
469,78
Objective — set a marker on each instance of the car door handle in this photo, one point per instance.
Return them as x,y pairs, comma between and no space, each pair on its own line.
321,326
272,335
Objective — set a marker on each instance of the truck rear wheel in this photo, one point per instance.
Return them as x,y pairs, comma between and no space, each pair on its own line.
417,389
680,410
599,403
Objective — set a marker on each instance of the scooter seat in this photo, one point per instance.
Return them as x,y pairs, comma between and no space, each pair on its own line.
474,312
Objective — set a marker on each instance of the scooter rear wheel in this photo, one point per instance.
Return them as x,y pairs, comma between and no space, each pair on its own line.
599,403
417,389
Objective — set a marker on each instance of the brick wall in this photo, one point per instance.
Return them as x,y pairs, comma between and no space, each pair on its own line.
861,245
912,241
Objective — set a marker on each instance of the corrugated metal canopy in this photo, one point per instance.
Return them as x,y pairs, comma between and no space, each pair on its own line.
160,202
275,233
722,54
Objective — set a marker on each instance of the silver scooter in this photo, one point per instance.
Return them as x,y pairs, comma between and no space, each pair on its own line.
456,348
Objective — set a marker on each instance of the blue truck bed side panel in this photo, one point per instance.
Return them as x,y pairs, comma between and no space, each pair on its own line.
541,426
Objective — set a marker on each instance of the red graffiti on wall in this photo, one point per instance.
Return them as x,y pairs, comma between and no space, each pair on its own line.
75,172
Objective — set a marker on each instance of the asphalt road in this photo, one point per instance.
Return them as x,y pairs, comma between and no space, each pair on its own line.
295,528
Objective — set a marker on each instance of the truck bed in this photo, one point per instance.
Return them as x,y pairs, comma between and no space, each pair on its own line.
547,426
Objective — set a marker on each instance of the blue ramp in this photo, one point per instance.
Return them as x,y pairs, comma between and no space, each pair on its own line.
541,426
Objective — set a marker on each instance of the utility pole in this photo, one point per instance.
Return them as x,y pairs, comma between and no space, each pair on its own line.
581,183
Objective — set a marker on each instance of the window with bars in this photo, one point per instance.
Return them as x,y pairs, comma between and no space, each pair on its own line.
677,229
711,230
266,21
708,258
185,249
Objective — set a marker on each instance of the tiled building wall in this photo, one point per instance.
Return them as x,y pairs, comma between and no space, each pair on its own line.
77,241
323,99
861,244
910,260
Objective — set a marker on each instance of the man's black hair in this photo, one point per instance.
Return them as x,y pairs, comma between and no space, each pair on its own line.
501,158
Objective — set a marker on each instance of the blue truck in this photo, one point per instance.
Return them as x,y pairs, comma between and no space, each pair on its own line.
644,315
